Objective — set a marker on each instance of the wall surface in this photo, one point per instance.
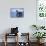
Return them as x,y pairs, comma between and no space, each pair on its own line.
24,24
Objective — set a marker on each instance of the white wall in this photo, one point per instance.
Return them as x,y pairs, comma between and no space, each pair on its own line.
24,24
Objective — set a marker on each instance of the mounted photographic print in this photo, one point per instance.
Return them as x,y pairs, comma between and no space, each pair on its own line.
41,8
16,12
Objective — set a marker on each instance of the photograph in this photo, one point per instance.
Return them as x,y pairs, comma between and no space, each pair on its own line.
17,12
